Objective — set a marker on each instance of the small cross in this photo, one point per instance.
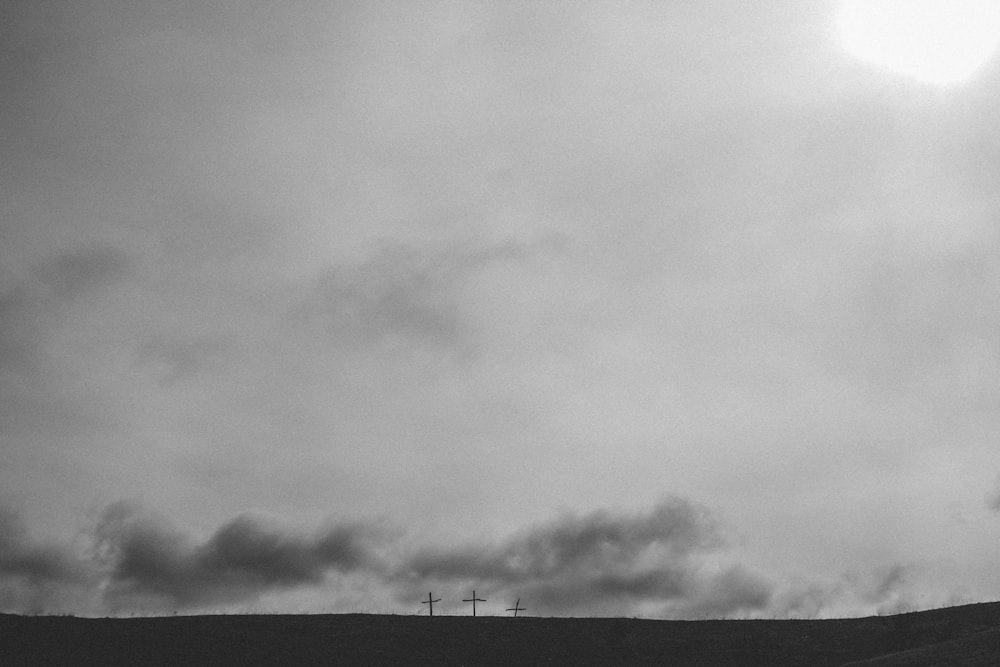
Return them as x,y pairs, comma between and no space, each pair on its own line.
517,607
473,600
430,600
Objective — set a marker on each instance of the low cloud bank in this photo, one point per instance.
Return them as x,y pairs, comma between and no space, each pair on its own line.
147,562
37,577
884,590
671,561
662,561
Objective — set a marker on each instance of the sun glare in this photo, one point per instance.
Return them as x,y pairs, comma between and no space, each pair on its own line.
938,41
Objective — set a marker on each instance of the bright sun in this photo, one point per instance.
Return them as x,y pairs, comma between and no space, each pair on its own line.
938,41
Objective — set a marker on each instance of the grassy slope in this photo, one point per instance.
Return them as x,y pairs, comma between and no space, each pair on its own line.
980,649
957,635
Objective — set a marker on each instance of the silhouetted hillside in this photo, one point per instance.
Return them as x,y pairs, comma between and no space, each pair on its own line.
967,635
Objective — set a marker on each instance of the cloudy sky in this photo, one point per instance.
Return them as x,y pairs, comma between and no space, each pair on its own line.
670,308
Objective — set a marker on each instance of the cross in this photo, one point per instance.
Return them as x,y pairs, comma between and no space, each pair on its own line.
517,607
473,600
430,600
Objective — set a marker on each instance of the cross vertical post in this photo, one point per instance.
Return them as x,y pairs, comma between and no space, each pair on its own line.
430,600
517,607
473,600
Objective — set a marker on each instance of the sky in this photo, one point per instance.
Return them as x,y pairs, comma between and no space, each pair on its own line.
674,309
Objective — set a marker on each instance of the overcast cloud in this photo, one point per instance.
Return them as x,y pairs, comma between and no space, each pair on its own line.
502,275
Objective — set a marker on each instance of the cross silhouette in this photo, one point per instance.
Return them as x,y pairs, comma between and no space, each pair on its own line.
473,600
430,600
517,607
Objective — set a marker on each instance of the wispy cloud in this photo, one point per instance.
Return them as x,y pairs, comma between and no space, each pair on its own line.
993,502
402,296
176,358
76,272
27,300
882,590
17,349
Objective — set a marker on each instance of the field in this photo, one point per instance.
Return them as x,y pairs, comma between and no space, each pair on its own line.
965,635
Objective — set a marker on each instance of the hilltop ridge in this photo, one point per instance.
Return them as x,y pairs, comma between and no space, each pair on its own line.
963,635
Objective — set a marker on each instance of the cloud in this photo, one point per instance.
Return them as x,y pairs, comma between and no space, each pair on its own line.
36,576
883,590
588,542
76,272
402,296
603,562
27,301
150,563
46,308
993,502
606,562
17,350
888,583
21,557
734,589
178,358
671,561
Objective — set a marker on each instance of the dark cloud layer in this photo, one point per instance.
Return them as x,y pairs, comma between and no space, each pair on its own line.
671,561
608,562
148,560
36,576
599,563
23,558
586,542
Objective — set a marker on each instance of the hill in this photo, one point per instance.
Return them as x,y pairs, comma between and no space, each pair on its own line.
965,635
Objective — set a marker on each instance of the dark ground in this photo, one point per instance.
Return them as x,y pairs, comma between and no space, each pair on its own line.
967,635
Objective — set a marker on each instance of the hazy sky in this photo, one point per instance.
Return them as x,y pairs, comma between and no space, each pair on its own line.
672,308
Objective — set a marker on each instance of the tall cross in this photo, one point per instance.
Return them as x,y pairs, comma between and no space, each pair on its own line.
473,600
430,600
517,607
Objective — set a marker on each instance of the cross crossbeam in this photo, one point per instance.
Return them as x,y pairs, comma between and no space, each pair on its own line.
473,600
430,600
517,607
